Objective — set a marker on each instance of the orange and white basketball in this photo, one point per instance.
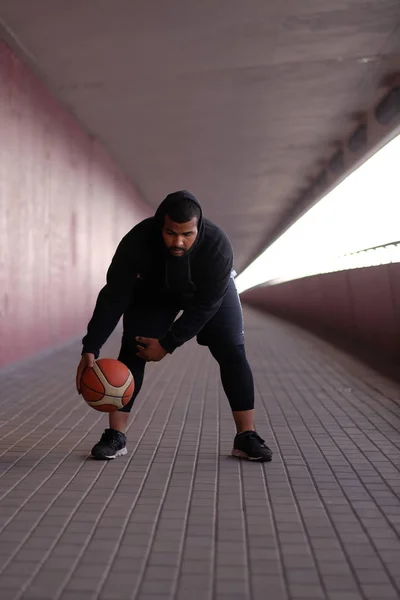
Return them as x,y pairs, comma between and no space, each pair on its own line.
108,386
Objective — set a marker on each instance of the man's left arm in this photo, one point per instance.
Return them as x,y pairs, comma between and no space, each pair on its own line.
207,301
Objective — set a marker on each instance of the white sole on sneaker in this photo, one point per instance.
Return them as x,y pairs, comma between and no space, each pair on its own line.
240,454
121,452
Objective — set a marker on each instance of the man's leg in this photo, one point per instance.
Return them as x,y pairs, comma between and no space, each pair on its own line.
119,419
224,336
113,441
237,381
244,420
146,320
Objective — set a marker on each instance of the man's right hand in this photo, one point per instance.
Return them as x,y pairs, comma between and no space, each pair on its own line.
87,361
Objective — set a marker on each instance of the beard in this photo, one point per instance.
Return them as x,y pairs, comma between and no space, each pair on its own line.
178,252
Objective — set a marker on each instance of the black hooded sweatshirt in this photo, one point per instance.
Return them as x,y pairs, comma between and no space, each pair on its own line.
143,271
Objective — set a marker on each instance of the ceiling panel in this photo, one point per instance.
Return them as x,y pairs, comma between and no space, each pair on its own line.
236,101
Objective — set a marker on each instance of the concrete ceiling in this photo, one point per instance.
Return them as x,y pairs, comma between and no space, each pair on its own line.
234,100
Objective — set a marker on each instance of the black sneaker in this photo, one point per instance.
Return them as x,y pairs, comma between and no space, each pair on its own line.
249,445
111,445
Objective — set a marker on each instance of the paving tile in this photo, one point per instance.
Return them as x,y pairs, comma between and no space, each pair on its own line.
322,521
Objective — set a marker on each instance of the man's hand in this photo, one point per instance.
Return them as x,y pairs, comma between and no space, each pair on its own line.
150,349
87,361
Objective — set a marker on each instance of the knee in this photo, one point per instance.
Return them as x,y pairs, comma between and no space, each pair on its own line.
228,353
135,364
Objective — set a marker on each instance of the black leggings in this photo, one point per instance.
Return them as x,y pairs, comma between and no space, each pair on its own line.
236,375
223,335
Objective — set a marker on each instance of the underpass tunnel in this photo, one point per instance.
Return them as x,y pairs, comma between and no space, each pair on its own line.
259,111
283,119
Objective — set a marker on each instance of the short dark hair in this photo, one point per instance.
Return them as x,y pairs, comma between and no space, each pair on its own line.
183,210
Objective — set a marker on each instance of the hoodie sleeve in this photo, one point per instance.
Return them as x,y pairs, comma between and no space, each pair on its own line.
207,301
114,297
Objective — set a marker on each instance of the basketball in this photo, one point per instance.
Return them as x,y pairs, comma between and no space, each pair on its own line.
108,386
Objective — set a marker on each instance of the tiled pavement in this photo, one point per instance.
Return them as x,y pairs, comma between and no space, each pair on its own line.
177,518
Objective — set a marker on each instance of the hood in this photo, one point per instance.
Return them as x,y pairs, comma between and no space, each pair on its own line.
177,269
169,201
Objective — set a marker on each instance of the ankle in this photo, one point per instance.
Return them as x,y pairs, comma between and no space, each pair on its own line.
119,421
121,431
244,420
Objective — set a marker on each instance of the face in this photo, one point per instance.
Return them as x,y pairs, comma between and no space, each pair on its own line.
179,237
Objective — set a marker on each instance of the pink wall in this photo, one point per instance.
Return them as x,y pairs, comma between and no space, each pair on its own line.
362,305
63,208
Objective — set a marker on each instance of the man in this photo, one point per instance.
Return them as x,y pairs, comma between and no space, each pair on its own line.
172,262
